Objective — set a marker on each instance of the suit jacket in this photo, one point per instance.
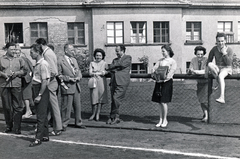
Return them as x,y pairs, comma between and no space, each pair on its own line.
120,70
65,72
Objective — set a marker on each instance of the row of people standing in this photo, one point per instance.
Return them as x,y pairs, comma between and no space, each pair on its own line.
163,89
44,86
65,69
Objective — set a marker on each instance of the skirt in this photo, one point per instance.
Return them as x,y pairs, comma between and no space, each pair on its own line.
163,92
26,90
202,92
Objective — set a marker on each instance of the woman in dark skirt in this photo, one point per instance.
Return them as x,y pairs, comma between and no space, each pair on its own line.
163,90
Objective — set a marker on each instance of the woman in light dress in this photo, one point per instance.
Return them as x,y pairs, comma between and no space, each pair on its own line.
98,95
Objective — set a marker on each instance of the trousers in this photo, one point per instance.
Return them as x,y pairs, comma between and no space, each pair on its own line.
41,112
12,106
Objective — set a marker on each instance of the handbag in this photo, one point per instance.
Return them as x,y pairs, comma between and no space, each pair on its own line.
161,73
92,83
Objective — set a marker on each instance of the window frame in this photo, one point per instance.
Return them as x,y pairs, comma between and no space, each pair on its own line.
38,30
139,70
6,36
192,41
75,30
114,32
137,28
160,31
229,34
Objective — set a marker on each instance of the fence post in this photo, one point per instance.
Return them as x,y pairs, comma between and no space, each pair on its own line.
210,83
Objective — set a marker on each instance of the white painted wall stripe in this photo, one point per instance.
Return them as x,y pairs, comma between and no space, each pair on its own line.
131,148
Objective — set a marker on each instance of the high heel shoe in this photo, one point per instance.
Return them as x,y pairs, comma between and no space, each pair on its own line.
158,125
91,118
164,124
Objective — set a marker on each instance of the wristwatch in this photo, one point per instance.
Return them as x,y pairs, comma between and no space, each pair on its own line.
40,94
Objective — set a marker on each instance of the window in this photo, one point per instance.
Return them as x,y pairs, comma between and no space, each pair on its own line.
238,31
226,27
76,33
115,32
193,31
161,32
38,30
138,32
138,68
14,32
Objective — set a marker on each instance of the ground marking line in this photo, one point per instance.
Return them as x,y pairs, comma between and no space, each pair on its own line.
130,148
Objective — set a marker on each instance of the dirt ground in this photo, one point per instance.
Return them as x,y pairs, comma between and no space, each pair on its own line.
113,143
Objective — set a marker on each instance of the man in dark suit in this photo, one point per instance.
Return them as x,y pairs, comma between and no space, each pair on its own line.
70,74
120,79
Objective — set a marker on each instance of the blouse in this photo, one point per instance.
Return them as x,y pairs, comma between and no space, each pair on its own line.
170,62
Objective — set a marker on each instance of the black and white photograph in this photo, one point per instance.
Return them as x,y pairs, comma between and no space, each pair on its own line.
120,79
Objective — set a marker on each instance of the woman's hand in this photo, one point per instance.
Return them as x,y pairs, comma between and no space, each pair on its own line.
37,99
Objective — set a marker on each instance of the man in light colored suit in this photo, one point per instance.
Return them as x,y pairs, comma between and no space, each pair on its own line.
70,74
120,79
51,58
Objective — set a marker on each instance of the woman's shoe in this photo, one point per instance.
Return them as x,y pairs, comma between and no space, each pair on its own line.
27,115
35,143
158,125
164,124
91,118
55,133
204,120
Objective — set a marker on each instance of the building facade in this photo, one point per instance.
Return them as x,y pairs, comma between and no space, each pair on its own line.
142,26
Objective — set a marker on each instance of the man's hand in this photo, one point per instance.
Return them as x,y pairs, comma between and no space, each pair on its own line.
224,50
72,80
4,75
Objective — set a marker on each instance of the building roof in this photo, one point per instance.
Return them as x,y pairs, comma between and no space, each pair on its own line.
103,3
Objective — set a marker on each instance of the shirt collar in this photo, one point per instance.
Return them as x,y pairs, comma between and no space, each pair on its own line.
39,61
45,50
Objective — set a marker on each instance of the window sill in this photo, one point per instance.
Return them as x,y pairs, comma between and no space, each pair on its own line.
79,45
145,44
193,42
233,43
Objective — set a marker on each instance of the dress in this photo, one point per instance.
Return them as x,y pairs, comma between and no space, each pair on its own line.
27,80
163,90
202,84
98,94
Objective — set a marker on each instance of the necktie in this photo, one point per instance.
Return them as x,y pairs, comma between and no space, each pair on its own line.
199,65
72,65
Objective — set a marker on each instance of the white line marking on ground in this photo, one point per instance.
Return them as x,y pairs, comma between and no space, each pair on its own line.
130,148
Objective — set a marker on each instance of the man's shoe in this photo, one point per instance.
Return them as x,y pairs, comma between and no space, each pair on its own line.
109,121
45,139
35,143
7,130
64,129
17,131
115,121
80,126
220,100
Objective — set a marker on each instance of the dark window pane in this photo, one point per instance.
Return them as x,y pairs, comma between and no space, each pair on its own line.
34,33
81,41
71,40
70,26
134,25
